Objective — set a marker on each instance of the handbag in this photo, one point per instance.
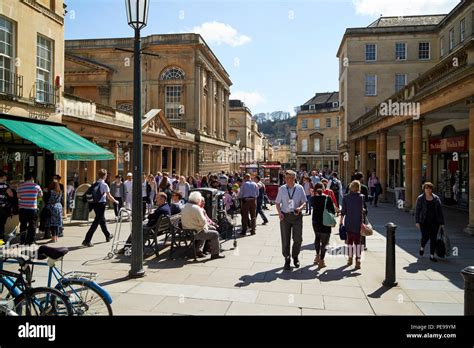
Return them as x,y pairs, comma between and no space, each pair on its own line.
329,219
342,232
366,229
443,244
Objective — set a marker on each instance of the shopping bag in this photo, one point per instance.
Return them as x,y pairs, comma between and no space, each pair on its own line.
342,232
329,219
443,244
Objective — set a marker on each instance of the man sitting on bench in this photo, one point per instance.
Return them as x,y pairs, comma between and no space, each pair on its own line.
163,209
193,218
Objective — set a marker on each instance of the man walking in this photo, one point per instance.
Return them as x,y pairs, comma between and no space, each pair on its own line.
102,193
28,194
290,200
248,195
260,198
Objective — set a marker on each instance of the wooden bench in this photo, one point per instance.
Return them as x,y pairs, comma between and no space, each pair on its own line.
181,238
162,227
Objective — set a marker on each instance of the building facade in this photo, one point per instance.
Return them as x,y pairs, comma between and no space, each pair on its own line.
181,77
282,154
422,130
317,133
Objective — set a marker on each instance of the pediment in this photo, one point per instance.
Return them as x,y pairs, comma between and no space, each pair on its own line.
155,122
84,65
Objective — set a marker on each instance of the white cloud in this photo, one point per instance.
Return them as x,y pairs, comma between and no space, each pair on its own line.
403,7
221,33
251,99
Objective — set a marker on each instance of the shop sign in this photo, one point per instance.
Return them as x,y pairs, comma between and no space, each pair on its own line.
452,144
13,157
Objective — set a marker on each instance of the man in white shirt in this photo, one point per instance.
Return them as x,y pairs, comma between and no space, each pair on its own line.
128,191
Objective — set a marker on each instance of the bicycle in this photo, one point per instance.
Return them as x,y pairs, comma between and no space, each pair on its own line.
83,293
29,301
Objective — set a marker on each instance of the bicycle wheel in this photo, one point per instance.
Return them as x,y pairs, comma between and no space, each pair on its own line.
43,302
85,298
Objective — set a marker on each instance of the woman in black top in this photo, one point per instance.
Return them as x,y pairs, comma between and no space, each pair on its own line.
429,217
319,201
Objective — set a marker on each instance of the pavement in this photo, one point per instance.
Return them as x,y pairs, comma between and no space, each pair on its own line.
251,279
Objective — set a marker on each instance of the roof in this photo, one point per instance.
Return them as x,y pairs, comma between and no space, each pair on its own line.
402,21
323,98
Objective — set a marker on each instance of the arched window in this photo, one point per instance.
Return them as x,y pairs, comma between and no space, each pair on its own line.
173,73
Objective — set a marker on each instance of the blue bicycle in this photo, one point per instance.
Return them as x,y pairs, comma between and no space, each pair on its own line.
84,294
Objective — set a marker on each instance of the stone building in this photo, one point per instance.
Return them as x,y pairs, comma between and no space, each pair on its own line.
317,133
181,76
420,127
32,138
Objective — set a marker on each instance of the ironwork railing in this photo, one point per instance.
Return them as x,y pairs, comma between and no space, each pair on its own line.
11,84
44,93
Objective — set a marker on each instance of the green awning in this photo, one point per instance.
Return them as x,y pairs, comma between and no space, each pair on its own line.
62,142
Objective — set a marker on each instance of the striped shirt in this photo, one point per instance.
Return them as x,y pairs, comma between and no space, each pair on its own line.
28,193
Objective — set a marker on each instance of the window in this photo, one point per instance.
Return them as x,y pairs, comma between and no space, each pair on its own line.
462,30
6,55
337,143
174,73
370,52
451,39
304,124
328,144
44,79
312,107
441,46
328,122
370,85
400,81
337,121
173,107
304,145
335,105
400,51
316,123
316,145
424,50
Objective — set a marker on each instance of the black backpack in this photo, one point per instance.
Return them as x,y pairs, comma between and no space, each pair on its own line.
334,186
13,203
93,194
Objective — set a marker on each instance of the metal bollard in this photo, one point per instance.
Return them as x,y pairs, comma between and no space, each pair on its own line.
468,275
390,256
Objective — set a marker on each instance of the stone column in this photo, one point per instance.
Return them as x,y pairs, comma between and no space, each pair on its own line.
159,159
91,172
178,162
197,98
470,227
226,114
363,157
209,103
219,110
113,167
170,160
352,168
408,164
417,161
64,181
190,163
184,162
153,169
383,163
147,159
428,157
377,154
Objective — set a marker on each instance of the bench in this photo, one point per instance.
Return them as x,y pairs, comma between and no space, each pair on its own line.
151,234
181,238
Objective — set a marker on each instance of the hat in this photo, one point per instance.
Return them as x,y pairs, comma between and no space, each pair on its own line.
129,174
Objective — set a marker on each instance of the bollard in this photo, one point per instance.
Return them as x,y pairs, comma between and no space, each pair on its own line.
468,275
390,256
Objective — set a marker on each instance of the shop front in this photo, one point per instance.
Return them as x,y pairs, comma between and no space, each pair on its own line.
450,168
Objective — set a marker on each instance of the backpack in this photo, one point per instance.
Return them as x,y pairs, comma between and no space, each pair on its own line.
334,186
93,193
12,203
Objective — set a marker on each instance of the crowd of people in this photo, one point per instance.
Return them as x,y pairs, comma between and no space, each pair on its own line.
317,193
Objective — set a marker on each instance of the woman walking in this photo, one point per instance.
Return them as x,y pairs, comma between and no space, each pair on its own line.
117,189
183,187
152,190
352,216
429,218
308,187
54,222
322,233
374,188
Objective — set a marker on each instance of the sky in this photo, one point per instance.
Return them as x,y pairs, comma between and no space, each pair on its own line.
278,53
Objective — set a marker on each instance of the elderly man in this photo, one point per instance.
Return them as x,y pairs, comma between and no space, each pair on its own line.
193,218
128,184
289,202
248,195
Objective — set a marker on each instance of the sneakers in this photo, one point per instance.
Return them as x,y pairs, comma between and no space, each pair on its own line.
296,262
109,237
287,266
87,244
217,256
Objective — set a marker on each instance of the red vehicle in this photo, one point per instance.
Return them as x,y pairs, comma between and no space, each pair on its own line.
271,178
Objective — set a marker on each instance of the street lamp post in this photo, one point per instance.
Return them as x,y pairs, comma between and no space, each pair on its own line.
137,16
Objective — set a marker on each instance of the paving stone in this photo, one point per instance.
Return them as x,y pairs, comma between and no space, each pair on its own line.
292,300
190,306
429,308
238,308
347,304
